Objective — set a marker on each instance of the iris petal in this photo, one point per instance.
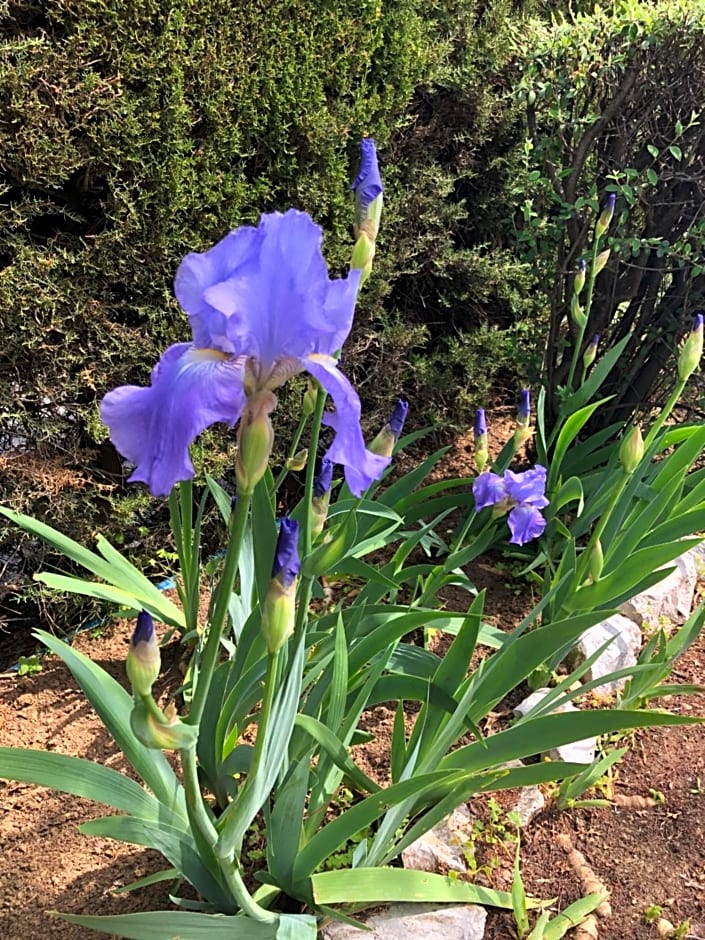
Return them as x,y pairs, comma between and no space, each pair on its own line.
153,427
528,487
488,489
362,467
525,523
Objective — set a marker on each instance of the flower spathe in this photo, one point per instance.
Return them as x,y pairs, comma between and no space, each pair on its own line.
262,308
521,493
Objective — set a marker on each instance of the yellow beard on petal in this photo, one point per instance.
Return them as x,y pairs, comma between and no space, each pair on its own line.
207,355
324,359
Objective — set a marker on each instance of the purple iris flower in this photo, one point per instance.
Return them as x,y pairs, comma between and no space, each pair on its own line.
286,557
523,492
368,182
262,308
323,479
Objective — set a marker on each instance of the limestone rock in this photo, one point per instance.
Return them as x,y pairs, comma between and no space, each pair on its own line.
622,652
443,847
578,752
415,922
531,802
670,600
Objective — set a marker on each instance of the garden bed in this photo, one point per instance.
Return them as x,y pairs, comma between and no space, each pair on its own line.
645,857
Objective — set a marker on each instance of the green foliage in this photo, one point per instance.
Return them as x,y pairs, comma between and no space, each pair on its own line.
613,103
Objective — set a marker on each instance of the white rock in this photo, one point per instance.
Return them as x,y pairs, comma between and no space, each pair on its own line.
578,752
670,599
623,651
531,803
415,922
443,847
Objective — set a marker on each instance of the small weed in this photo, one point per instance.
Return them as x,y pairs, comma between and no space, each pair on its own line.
29,665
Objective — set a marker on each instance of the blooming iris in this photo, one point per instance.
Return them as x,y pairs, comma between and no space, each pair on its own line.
522,493
261,308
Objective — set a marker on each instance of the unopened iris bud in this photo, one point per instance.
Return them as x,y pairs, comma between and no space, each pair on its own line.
597,560
579,281
591,351
333,549
577,313
280,603
601,260
631,450
524,408
692,350
368,191
321,496
523,431
159,730
363,256
603,222
143,659
308,403
480,431
298,461
387,438
255,440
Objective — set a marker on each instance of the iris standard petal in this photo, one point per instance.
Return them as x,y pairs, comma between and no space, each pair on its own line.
201,270
525,523
487,489
362,467
528,487
153,427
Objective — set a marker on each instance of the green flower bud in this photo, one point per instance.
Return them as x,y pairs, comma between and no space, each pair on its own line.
308,403
603,222
334,548
298,461
692,350
601,260
279,612
631,450
255,440
591,351
597,560
143,659
579,281
158,730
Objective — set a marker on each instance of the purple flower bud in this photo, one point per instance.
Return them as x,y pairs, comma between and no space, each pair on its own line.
144,629
480,423
524,409
323,479
398,417
579,281
368,182
286,557
605,218
143,658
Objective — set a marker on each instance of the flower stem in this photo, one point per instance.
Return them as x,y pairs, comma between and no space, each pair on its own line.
306,584
220,610
292,451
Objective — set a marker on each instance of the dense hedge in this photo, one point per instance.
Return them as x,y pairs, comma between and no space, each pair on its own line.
132,132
